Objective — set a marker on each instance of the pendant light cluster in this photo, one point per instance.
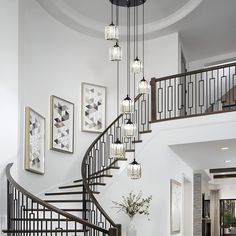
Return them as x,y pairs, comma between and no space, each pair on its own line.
115,54
136,67
112,33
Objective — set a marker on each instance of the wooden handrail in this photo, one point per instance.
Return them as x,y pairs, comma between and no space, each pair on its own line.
83,169
49,206
194,93
195,72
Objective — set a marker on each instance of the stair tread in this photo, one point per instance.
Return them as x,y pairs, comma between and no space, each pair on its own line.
115,167
46,219
67,193
63,209
93,177
130,150
137,141
121,159
65,201
45,231
145,132
79,185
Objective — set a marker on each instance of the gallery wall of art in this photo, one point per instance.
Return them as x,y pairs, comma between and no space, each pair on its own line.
58,68
55,61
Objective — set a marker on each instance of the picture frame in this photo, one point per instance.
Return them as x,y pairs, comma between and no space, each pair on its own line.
93,113
175,206
61,125
34,160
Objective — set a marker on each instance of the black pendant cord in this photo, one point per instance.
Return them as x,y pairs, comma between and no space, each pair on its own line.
118,71
117,15
143,40
134,33
118,92
112,13
137,31
134,151
128,50
134,45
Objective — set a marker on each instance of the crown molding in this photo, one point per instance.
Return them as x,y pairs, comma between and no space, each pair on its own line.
73,19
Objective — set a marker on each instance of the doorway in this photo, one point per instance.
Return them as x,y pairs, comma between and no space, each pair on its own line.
228,217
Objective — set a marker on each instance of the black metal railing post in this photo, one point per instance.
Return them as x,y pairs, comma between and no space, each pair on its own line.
195,93
9,208
113,232
153,99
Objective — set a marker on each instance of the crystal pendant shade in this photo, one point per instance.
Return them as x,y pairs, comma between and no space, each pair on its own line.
143,86
129,129
137,66
115,53
127,105
117,149
111,32
134,170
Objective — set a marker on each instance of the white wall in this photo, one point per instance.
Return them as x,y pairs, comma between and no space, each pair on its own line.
199,64
159,165
227,191
187,207
54,60
8,93
162,56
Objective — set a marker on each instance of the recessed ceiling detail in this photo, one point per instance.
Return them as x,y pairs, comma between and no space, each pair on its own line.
89,16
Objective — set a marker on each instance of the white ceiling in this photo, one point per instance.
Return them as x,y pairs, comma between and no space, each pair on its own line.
156,9
207,27
207,155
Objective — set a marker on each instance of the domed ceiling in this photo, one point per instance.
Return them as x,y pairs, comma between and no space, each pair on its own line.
206,27
100,10
90,16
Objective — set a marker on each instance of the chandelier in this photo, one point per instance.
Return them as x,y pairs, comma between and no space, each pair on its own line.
135,67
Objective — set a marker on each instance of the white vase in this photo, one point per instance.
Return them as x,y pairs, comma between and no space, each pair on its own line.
131,229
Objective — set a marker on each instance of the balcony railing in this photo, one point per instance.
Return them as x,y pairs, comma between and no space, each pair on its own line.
200,92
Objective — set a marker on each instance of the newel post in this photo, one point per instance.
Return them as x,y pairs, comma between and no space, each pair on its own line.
113,232
153,100
119,229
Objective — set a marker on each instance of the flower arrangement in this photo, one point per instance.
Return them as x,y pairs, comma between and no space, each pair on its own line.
133,205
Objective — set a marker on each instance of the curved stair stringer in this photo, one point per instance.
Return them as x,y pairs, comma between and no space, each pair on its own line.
98,163
28,214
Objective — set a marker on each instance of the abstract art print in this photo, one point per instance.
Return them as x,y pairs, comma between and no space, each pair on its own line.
93,108
175,206
34,141
62,125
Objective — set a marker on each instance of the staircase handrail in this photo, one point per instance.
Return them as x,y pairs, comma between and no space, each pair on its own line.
47,205
83,169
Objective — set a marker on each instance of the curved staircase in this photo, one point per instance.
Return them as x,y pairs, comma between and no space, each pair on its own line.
74,209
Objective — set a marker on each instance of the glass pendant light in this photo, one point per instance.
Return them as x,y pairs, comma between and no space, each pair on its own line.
129,129
134,170
117,149
127,105
115,53
137,66
143,86
111,32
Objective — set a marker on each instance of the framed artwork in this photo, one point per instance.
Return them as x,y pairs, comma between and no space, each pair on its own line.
34,141
93,108
62,125
175,206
